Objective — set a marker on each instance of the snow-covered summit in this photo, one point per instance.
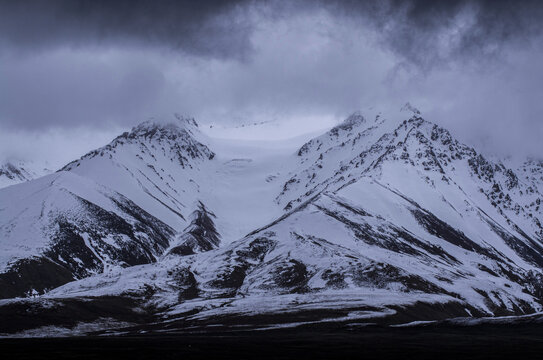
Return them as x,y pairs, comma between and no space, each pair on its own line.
171,128
177,137
156,165
354,120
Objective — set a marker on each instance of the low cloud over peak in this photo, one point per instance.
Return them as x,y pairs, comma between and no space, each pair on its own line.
472,66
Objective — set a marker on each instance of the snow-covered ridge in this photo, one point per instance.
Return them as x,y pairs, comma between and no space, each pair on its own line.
337,160
375,208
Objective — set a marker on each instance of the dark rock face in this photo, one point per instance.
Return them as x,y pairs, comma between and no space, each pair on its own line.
444,231
201,235
188,286
334,280
12,172
292,275
231,276
28,275
257,249
69,312
532,254
239,263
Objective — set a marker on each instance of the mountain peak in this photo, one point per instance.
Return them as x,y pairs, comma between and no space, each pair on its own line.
353,120
177,138
164,128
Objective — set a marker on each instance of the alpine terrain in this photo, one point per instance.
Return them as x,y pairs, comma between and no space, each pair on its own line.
384,219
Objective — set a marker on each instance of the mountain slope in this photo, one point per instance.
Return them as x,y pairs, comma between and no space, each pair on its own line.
63,227
424,162
330,259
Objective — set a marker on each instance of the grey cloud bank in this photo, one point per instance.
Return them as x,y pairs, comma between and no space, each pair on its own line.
207,28
473,66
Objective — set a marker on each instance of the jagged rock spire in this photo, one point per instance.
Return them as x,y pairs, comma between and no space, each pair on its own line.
200,236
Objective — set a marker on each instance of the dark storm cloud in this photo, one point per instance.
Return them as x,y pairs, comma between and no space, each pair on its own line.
431,32
94,62
421,31
204,28
104,64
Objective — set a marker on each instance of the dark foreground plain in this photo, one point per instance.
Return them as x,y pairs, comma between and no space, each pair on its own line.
513,341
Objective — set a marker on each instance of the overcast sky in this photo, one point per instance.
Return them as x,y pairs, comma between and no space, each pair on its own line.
73,74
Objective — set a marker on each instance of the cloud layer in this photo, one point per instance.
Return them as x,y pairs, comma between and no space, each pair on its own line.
210,28
472,66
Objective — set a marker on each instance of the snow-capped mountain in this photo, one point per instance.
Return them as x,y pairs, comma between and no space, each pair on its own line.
384,218
123,204
168,169
155,165
14,172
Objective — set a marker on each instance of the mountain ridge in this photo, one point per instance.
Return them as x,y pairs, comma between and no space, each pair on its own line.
375,213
